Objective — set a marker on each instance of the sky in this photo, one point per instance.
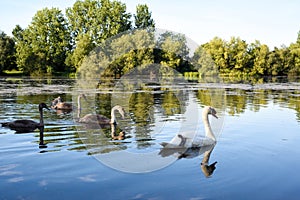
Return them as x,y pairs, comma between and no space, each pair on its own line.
272,22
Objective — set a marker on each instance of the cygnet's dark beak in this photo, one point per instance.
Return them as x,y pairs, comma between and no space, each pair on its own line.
84,97
215,115
123,114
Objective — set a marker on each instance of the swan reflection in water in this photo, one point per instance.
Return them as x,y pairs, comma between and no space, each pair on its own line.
183,146
114,136
42,144
183,152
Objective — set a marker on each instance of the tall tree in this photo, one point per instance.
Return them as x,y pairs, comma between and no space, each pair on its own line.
18,33
259,58
203,63
295,51
236,55
44,44
174,51
119,55
94,21
101,19
83,48
142,18
7,52
280,61
216,49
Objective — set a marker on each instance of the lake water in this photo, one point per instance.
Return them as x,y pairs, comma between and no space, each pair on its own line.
257,150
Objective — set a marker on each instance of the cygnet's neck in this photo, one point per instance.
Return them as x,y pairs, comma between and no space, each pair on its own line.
78,102
79,106
208,131
113,117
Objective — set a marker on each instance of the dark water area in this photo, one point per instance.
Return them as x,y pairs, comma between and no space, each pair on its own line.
256,152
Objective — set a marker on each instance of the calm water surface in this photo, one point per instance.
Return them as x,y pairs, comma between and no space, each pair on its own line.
257,152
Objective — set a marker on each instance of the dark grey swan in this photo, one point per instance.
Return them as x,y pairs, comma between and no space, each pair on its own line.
97,118
25,125
101,119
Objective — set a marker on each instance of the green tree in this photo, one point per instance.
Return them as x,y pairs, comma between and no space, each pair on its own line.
7,52
101,19
295,52
118,55
18,33
259,58
280,61
83,48
236,55
203,63
93,21
216,49
42,47
143,18
173,51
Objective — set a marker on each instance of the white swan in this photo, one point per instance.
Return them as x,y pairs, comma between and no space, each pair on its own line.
209,135
180,141
184,147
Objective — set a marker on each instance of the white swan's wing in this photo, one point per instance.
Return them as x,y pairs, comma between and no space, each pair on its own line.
184,139
200,141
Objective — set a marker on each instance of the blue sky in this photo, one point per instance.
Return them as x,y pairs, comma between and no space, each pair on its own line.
273,22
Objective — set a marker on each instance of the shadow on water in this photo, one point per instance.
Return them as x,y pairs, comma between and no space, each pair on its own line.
42,144
181,152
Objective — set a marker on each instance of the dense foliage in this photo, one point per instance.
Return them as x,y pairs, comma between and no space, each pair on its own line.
55,42
43,46
236,57
7,52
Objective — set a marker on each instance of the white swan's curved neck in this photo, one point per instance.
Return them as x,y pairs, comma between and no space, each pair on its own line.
208,131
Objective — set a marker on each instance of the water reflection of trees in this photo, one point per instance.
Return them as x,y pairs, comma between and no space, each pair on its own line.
258,79
144,108
211,97
147,107
148,103
238,100
170,104
103,104
141,107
